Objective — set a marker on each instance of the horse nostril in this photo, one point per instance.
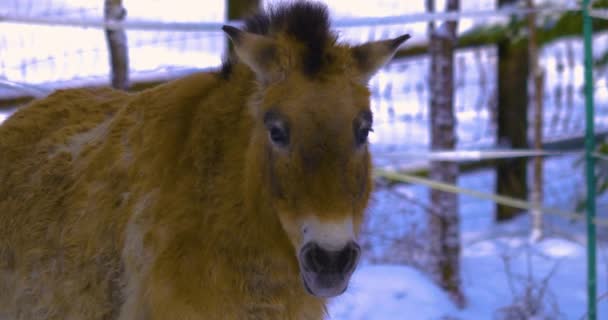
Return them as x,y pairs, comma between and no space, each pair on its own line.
316,259
347,258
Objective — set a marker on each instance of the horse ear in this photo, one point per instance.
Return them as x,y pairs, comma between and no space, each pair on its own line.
256,51
371,56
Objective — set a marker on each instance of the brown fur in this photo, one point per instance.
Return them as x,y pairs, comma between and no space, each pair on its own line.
172,203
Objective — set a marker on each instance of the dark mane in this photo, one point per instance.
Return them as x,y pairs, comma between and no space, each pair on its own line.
306,22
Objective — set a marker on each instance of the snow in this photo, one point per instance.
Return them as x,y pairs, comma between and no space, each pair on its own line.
3,115
68,55
65,53
401,292
394,240
390,292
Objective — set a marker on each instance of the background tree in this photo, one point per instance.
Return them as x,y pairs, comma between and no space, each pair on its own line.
117,44
443,216
537,76
239,9
512,120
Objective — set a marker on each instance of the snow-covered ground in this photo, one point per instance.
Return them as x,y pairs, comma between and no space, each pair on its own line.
497,259
383,292
386,286
3,115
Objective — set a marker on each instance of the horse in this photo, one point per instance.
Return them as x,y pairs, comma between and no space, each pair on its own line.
236,193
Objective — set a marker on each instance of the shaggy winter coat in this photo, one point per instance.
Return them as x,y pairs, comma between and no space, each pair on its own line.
174,202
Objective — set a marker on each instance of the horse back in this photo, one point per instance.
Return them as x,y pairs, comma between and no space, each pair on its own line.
67,192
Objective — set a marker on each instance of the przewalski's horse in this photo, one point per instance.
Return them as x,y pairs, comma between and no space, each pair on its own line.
228,195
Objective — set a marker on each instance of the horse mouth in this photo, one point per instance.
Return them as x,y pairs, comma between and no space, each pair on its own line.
325,285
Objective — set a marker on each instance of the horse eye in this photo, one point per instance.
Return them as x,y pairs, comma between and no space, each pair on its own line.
278,135
362,125
361,135
278,128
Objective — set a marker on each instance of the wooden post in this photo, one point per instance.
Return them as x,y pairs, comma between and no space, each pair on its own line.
117,45
537,77
512,120
443,218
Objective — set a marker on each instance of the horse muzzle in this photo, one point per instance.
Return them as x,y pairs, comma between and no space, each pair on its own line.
326,273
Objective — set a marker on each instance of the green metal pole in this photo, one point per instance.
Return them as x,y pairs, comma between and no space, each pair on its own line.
589,149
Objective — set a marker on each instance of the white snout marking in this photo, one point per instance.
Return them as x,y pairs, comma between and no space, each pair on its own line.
330,235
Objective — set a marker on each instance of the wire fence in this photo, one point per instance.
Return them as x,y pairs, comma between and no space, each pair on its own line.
73,51
47,44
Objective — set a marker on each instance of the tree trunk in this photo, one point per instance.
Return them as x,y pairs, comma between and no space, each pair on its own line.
443,216
512,120
537,76
239,9
430,8
117,45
